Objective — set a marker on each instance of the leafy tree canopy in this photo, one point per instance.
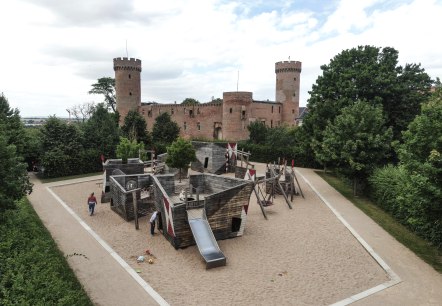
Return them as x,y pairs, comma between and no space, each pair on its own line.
371,74
12,125
422,147
190,101
106,86
101,132
357,140
257,132
14,180
129,149
165,130
135,128
62,147
180,153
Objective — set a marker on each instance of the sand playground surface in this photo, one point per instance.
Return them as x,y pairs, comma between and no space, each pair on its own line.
299,256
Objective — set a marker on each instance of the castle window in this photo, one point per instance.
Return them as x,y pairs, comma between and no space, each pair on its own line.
293,111
129,76
279,109
294,79
171,111
198,125
271,123
185,126
294,94
272,109
149,113
130,93
230,110
190,113
243,114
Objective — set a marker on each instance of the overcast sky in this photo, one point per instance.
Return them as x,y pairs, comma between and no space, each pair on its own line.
51,51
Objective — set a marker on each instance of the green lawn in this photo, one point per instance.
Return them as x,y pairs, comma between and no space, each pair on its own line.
33,271
419,246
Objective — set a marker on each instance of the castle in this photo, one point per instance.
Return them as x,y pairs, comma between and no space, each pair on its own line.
226,120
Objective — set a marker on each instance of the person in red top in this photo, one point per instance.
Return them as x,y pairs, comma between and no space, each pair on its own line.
91,201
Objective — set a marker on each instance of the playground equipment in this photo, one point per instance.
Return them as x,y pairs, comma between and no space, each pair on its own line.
203,235
266,188
211,157
133,166
210,202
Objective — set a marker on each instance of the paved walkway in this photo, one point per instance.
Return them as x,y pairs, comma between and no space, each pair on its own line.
107,281
420,283
104,278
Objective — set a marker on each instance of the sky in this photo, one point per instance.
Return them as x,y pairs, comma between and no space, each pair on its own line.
52,51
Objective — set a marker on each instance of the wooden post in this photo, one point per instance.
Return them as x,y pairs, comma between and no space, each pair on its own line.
134,199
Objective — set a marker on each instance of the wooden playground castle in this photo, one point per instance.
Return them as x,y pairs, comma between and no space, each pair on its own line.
202,208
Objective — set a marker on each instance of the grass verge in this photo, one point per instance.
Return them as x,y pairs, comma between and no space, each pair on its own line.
65,178
416,244
33,271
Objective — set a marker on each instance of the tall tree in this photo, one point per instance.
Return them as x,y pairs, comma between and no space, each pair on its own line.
101,132
165,131
179,154
106,86
13,127
357,140
371,74
135,128
62,147
14,180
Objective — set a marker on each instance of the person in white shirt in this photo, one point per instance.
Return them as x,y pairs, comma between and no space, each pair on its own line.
152,222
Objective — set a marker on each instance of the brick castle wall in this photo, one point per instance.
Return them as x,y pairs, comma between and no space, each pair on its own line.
224,121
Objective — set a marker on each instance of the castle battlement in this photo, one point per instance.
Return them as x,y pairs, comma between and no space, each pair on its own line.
124,63
288,66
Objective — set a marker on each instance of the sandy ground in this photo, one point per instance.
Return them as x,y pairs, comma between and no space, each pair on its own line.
299,256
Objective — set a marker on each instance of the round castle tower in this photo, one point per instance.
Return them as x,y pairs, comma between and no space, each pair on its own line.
127,85
236,114
287,89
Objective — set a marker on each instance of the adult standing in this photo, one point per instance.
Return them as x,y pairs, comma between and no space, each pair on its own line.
152,222
91,201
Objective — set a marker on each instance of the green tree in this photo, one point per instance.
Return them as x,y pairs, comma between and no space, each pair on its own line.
135,128
33,146
357,140
14,180
179,154
257,132
190,101
129,149
371,74
421,155
106,86
100,136
165,131
62,147
13,127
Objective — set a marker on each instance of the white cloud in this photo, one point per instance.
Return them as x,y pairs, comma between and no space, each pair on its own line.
52,51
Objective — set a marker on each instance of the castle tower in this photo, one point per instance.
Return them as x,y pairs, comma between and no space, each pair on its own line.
127,85
236,114
287,89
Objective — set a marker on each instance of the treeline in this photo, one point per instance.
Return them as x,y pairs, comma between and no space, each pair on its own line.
63,149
